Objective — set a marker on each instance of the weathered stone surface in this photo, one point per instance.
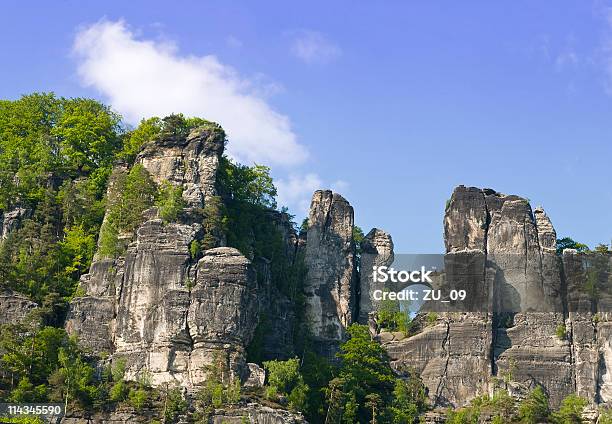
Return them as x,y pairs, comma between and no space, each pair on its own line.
117,416
256,414
10,220
504,255
330,285
588,278
151,329
156,307
451,355
223,311
92,318
14,307
251,413
191,162
376,250
256,376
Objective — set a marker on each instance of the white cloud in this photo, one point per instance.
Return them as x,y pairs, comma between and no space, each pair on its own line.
143,78
313,47
296,191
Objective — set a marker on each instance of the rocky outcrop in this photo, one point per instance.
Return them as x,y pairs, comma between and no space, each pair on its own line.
223,311
157,307
14,307
376,250
190,162
11,220
512,328
251,413
330,286
256,414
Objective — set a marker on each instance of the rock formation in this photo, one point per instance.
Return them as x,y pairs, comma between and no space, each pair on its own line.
156,306
330,287
14,307
512,331
376,250
170,314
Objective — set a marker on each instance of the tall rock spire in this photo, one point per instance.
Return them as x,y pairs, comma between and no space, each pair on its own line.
330,286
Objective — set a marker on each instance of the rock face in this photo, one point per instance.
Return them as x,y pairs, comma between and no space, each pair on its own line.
251,413
10,220
330,287
504,254
14,307
223,311
191,162
376,250
256,414
157,307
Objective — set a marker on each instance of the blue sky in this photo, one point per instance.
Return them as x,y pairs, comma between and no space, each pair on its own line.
390,103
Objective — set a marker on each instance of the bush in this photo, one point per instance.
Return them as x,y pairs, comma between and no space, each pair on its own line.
570,411
431,318
605,416
119,391
175,405
138,398
132,194
170,202
534,408
195,249
391,318
561,332
232,392
284,378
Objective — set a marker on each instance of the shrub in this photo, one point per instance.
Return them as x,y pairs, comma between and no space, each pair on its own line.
391,318
119,392
561,332
195,249
534,408
170,202
138,398
175,405
232,392
570,411
284,378
431,318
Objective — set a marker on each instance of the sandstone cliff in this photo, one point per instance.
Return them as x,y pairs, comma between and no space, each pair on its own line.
166,312
331,282
505,255
170,314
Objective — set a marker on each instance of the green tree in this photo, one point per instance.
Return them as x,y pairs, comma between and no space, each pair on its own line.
391,318
132,193
147,130
73,381
568,243
215,222
170,202
317,372
284,378
364,369
87,133
250,184
409,399
138,398
534,408
174,404
570,411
